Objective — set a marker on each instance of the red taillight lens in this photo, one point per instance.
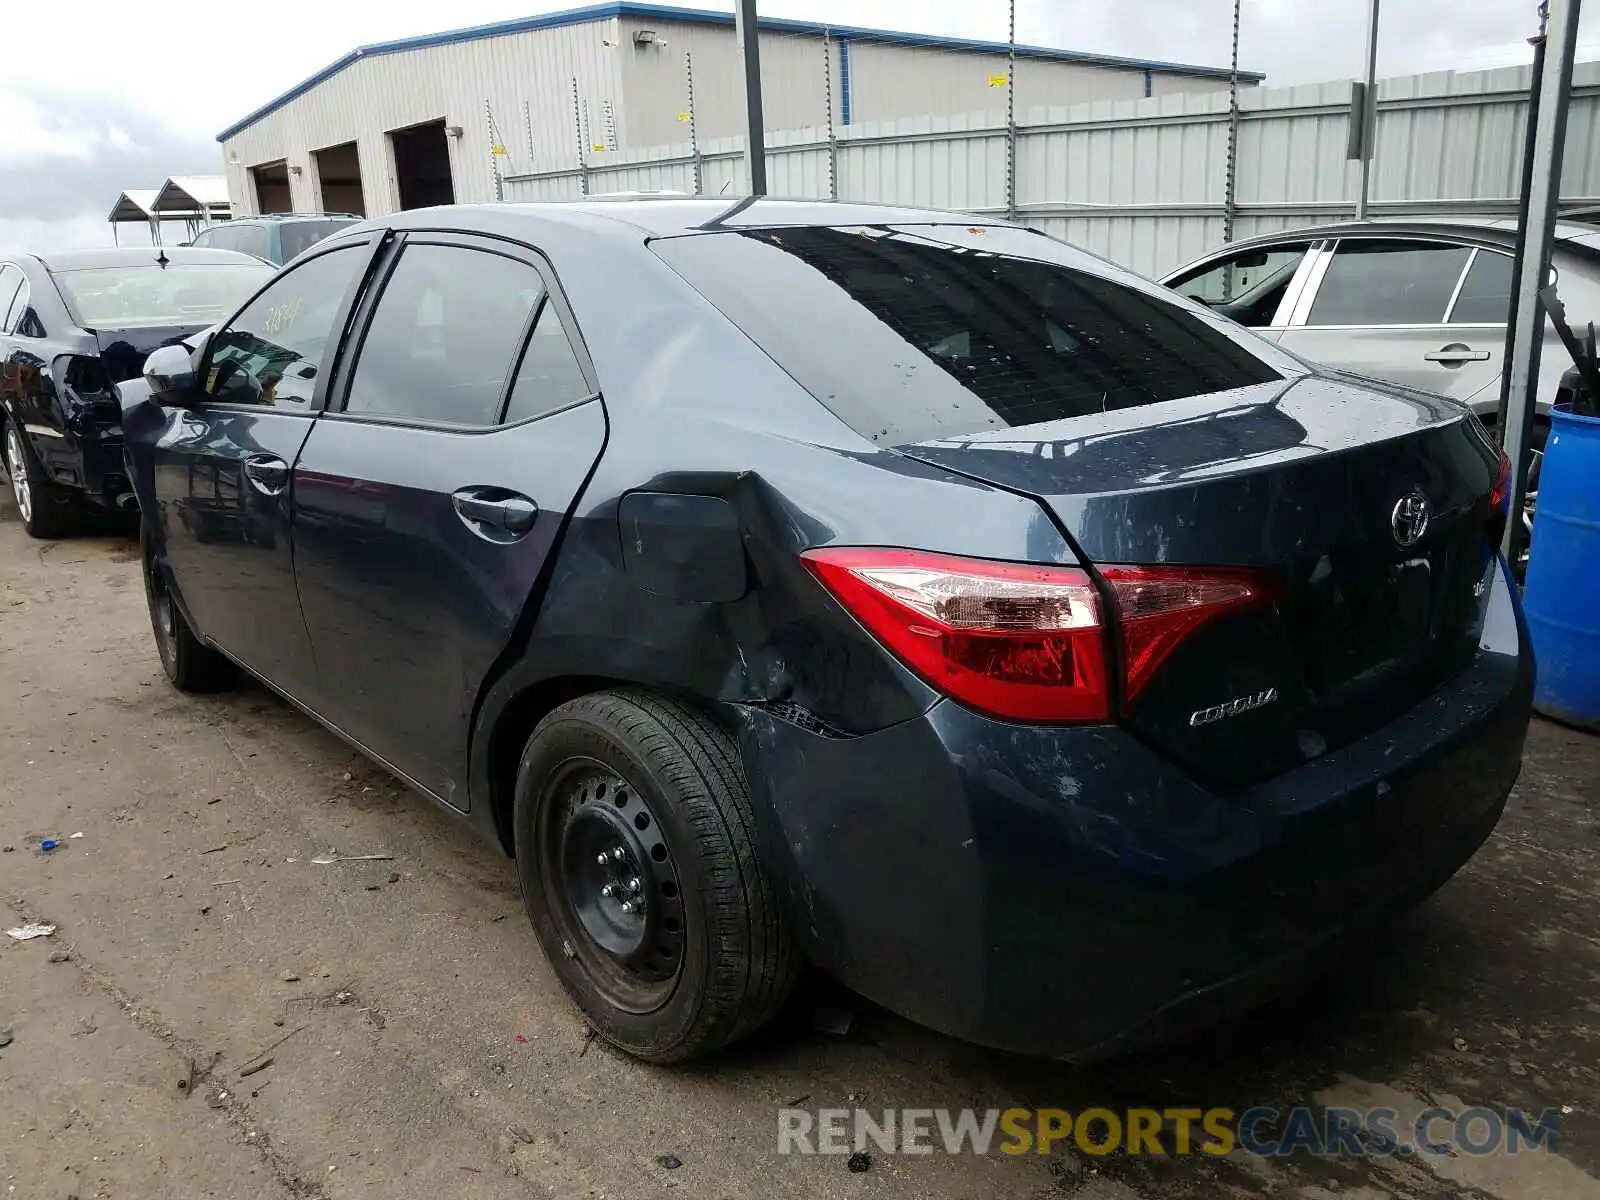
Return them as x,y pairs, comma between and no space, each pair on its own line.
1024,641
1500,492
1159,607
1011,639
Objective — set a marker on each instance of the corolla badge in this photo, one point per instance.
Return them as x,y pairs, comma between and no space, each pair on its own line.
1220,712
1409,520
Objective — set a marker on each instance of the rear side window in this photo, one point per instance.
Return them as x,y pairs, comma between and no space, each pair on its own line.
251,239
916,332
549,377
295,236
445,335
1371,281
1485,297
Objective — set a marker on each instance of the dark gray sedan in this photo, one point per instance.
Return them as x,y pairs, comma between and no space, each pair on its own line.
1048,658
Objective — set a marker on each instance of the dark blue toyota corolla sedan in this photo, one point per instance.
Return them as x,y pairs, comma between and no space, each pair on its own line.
1049,659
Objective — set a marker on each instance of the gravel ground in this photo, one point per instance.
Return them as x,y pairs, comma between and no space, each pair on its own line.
417,1045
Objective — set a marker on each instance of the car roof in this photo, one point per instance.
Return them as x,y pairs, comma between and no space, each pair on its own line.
1501,230
282,217
139,256
666,216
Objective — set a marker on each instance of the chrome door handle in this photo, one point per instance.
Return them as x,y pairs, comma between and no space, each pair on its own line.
268,474
1456,354
514,514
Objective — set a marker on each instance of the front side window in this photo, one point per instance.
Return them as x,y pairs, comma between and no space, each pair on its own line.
1247,286
444,336
1376,281
914,332
272,352
1485,296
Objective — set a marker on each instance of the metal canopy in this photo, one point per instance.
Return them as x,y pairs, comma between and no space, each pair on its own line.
133,206
182,195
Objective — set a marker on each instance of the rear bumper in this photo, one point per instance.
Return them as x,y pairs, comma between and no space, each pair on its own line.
1068,892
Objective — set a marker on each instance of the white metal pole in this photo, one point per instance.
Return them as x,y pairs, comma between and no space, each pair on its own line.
1527,314
1369,116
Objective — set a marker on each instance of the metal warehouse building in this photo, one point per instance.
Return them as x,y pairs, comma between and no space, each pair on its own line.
435,119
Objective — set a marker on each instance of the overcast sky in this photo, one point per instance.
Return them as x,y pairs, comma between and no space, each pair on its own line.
82,118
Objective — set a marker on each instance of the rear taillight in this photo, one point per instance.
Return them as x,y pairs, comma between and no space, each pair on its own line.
1500,492
1024,641
1158,607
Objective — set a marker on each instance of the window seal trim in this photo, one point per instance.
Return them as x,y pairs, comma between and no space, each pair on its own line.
428,426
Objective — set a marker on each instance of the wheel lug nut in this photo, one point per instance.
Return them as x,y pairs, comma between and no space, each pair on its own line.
618,854
609,890
633,884
602,860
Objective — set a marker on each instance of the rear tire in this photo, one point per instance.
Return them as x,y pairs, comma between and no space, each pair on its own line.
47,510
190,664
635,846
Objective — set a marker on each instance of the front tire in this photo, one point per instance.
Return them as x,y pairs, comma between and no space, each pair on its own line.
48,511
190,664
635,846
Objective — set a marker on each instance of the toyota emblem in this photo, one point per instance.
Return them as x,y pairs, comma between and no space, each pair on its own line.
1409,520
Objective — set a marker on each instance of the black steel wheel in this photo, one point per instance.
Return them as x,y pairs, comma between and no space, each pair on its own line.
609,876
188,663
635,846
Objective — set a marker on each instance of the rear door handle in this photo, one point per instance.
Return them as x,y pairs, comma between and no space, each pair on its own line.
1455,354
267,473
514,514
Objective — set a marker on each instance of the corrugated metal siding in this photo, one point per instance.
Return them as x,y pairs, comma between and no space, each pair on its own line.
374,96
888,82
1142,181
656,81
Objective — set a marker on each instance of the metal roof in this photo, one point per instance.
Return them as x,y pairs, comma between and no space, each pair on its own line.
698,16
191,193
133,206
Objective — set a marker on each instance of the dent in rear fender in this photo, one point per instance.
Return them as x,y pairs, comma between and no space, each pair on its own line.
784,638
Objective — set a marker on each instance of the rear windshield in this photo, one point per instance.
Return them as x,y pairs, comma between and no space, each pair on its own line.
149,295
915,332
295,236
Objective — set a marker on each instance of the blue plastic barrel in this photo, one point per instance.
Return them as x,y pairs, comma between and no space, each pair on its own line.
1562,596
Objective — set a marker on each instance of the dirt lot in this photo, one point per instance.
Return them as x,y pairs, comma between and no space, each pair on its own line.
418,1045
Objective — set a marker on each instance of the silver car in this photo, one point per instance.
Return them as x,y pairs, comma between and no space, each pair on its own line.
1421,302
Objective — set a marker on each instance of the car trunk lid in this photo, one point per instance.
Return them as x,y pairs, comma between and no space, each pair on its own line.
1363,508
123,351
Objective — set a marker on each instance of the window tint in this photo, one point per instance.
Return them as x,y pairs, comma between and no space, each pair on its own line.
915,332
444,336
251,239
1374,282
272,351
1247,286
1485,296
218,237
295,236
549,376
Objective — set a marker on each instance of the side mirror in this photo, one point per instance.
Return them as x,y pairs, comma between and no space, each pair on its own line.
170,373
